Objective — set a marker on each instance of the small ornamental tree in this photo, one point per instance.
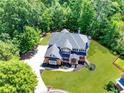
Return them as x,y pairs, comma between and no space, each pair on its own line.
111,87
16,77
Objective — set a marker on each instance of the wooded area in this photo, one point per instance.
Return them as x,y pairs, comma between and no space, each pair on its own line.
22,21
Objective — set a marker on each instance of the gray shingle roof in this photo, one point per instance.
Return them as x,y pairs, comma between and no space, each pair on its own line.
78,41
65,31
53,51
67,44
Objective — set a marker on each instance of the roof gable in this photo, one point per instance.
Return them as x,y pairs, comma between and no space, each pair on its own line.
67,44
53,51
65,31
77,41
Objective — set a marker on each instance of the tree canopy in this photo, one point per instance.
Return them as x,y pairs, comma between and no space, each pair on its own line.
16,77
22,21
98,18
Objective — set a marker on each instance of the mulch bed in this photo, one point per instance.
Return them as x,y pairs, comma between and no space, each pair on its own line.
29,54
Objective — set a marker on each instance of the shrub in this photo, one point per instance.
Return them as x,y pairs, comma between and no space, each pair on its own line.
7,89
29,39
111,87
7,50
16,77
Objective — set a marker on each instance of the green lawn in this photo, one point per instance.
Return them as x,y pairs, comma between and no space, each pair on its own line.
45,39
85,81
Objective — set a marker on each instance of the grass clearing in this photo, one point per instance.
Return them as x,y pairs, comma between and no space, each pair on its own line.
85,81
45,39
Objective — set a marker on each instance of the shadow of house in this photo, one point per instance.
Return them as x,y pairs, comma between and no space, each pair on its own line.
66,48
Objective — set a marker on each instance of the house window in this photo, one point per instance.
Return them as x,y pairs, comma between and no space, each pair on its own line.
66,50
52,56
52,59
52,62
81,50
63,52
76,50
83,53
65,59
87,45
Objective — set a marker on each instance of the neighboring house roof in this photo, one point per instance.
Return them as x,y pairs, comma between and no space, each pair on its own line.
53,51
78,41
67,44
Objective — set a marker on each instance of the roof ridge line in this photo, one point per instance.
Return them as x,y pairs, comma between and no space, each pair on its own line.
75,40
60,37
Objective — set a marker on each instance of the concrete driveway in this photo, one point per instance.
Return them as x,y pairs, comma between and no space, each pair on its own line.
35,63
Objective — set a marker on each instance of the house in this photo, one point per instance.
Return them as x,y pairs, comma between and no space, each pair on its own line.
66,48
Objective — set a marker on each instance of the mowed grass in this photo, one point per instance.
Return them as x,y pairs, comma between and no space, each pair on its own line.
85,81
45,39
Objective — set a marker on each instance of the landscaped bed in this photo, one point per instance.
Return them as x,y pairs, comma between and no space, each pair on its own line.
85,81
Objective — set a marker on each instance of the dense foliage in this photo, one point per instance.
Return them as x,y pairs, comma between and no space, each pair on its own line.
101,19
28,39
7,51
21,21
111,87
16,77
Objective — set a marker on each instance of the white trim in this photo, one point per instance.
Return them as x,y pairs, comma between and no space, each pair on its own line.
117,82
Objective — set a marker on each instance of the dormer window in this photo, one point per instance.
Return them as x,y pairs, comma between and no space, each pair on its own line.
76,50
52,55
81,50
66,46
66,50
